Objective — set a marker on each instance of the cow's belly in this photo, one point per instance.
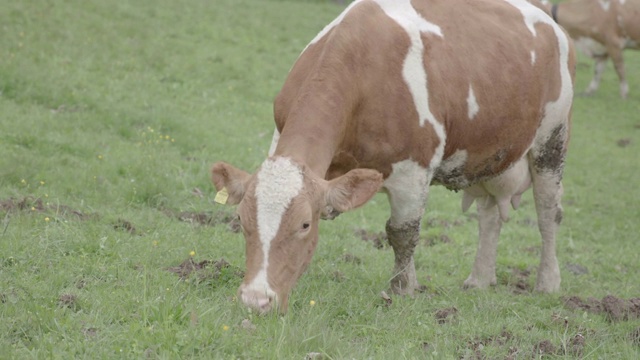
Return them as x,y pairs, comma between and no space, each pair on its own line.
461,170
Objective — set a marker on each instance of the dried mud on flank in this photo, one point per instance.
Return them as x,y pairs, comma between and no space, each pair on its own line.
206,270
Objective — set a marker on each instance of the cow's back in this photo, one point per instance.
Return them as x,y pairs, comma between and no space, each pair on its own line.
479,88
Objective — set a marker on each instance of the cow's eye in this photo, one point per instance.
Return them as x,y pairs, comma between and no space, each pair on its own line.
305,225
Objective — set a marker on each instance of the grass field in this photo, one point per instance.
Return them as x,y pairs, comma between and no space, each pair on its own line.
111,114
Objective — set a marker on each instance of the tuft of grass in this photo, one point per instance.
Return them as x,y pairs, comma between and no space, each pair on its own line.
110,116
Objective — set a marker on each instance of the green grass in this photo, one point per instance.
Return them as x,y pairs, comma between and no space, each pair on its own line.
111,114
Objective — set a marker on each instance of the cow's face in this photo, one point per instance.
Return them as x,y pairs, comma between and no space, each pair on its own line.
279,209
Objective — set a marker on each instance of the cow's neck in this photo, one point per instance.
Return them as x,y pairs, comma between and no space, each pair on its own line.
313,132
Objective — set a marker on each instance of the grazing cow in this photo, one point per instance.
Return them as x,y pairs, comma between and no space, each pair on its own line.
395,95
602,29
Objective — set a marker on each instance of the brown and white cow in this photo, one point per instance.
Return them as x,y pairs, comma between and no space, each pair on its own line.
602,29
395,95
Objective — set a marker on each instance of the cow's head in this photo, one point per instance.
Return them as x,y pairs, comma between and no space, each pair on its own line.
279,209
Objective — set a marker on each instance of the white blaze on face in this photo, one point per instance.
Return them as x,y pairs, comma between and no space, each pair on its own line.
279,181
556,112
413,71
472,104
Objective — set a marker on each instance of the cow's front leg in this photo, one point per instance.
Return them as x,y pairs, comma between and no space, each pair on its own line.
403,238
407,188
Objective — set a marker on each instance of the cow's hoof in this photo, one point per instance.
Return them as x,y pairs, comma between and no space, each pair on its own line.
548,286
475,283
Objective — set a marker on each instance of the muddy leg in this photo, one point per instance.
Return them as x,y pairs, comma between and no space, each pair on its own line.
407,188
403,239
489,224
547,169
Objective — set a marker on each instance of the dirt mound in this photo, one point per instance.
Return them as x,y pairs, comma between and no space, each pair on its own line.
30,203
206,270
614,308
379,240
207,219
445,315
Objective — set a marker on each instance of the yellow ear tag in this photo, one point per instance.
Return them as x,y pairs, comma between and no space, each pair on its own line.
222,196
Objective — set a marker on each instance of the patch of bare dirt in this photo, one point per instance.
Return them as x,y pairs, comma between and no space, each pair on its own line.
206,270
528,222
577,269
30,203
350,258
90,332
614,308
447,224
338,276
624,142
634,336
124,225
544,347
69,301
445,315
207,219
440,239
379,240
518,281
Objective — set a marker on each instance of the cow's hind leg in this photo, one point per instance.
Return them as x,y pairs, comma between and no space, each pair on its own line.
494,197
407,188
489,224
546,170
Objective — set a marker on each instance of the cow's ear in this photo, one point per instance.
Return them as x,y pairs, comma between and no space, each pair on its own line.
230,183
352,189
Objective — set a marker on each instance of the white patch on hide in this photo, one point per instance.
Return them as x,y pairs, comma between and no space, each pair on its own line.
279,181
472,104
413,72
407,187
556,112
332,24
533,57
605,4
274,141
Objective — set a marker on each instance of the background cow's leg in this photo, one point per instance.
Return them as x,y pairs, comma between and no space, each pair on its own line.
489,224
407,188
615,51
601,64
